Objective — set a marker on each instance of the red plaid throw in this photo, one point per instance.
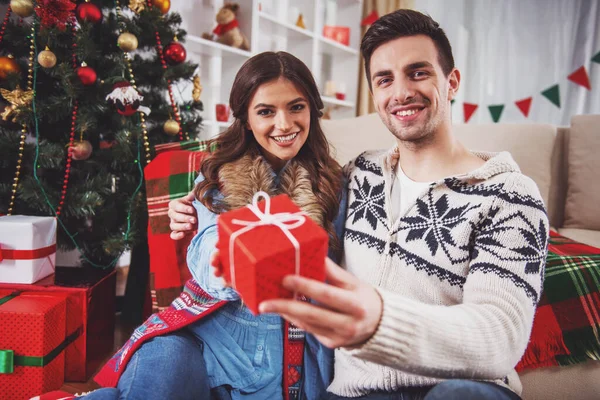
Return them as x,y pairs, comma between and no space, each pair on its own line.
566,329
169,176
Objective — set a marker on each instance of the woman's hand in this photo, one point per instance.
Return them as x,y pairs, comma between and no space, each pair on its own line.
183,216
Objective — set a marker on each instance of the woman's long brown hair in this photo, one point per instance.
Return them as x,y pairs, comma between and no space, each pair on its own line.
325,173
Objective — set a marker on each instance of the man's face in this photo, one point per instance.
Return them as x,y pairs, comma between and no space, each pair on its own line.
410,91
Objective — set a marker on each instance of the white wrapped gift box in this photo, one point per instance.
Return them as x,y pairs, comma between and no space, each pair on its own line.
27,248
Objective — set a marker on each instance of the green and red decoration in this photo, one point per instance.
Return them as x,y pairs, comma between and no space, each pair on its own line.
579,77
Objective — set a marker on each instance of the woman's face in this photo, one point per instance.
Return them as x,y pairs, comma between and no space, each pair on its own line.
279,118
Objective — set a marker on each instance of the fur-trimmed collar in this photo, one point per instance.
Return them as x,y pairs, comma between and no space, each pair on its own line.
242,178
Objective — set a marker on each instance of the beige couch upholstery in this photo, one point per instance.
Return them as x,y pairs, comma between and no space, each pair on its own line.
565,164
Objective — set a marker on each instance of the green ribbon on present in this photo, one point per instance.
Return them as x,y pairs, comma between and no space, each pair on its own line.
9,297
8,360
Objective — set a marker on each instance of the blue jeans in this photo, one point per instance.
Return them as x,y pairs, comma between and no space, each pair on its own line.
154,373
454,389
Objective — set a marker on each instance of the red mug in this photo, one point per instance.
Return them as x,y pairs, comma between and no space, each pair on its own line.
222,111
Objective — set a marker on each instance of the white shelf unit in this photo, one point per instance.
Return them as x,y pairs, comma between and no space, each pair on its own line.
270,25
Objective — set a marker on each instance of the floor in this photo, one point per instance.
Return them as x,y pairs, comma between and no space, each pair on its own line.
122,333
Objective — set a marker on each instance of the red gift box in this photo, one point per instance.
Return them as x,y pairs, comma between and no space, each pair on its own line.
90,316
32,341
265,241
340,34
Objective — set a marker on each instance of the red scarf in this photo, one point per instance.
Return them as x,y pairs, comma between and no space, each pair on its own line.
221,29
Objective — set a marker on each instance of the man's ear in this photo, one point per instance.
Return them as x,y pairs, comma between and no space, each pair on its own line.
453,83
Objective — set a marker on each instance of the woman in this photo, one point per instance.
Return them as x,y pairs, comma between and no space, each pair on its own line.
208,341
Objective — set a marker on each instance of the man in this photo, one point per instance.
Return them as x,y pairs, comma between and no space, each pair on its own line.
444,248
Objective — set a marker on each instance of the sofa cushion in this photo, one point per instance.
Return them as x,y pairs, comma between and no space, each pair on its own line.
586,236
568,314
583,193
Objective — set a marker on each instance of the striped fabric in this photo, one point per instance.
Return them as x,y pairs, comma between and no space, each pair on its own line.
169,176
566,329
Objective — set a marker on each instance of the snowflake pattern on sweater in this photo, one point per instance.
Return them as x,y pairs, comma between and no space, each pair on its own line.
461,266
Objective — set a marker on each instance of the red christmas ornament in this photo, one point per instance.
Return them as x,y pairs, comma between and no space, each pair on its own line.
86,75
89,12
174,53
54,12
81,150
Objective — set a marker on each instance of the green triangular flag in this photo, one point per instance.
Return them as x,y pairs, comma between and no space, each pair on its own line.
496,111
452,102
596,58
553,94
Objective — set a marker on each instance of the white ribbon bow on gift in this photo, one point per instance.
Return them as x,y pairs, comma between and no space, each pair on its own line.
285,221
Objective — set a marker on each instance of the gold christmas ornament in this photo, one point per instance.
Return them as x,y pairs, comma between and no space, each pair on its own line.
46,58
23,8
8,65
137,6
171,127
81,150
17,98
127,41
197,89
162,5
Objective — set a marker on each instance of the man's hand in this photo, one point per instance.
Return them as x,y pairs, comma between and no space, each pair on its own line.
182,215
348,312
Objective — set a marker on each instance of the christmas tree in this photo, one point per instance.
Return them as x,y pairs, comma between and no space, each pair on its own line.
88,89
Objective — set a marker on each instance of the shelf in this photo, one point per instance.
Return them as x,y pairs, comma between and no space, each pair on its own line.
295,30
200,45
334,101
331,46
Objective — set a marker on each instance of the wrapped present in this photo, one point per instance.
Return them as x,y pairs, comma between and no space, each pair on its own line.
32,343
27,248
90,315
265,241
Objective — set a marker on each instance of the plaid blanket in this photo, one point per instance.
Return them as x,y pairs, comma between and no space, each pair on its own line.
566,329
169,176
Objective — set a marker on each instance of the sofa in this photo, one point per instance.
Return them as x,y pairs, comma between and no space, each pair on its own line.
564,163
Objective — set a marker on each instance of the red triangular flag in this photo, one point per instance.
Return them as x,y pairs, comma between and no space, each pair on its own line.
469,109
369,19
580,77
524,105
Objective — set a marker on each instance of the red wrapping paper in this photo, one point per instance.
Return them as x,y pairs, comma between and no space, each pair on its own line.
33,325
264,254
90,314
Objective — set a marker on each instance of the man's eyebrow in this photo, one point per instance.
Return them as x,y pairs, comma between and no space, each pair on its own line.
418,65
384,72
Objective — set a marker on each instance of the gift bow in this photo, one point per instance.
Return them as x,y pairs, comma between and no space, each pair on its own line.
285,221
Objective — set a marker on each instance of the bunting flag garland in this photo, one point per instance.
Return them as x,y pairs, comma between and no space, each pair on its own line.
580,77
496,111
524,105
553,94
370,19
469,109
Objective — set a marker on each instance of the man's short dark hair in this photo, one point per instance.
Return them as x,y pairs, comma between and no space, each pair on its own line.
403,23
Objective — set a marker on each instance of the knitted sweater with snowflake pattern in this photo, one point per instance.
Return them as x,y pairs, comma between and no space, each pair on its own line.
460,274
